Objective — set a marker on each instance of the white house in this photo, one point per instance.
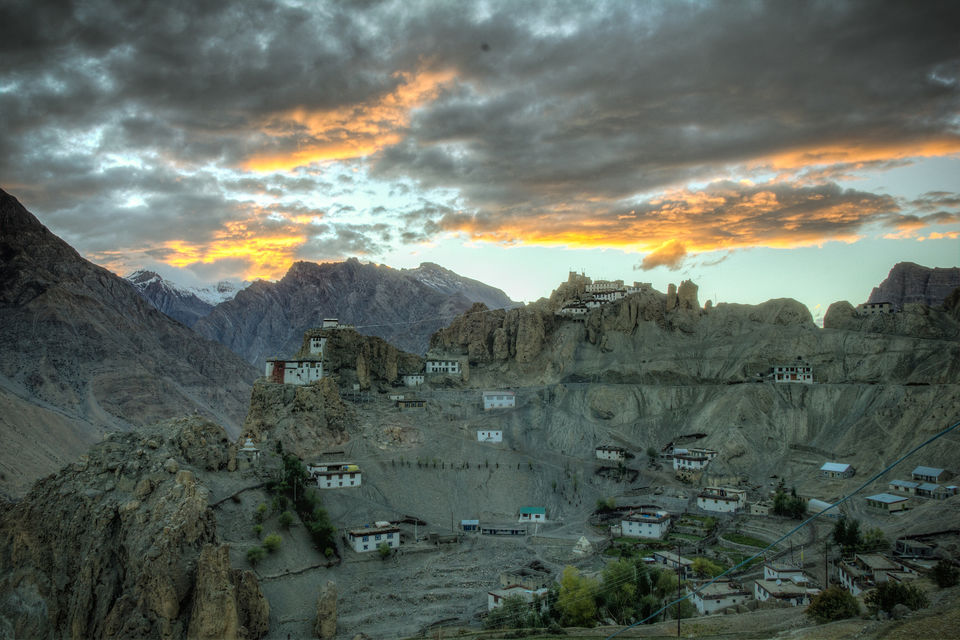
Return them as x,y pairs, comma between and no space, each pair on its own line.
718,596
774,572
490,435
369,538
722,499
499,400
330,323
797,372
413,379
533,514
442,366
837,470
496,597
298,372
602,286
689,462
645,524
607,452
866,571
611,296
796,595
335,475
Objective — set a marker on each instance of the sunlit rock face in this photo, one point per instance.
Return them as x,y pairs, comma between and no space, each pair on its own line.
911,283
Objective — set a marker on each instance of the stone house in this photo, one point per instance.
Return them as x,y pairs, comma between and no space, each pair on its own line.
607,452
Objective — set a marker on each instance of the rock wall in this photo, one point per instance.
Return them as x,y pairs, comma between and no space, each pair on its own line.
908,283
354,357
115,546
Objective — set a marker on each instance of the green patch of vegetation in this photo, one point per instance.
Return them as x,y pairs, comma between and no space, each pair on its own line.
835,603
946,574
255,555
384,550
272,542
286,519
739,538
889,594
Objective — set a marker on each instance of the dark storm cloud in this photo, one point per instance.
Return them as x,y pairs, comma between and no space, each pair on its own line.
121,120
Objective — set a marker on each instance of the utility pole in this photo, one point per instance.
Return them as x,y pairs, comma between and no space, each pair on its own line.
678,589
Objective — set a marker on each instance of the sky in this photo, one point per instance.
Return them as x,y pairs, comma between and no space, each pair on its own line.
761,149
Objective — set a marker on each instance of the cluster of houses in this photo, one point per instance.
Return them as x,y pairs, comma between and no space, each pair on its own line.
431,368
867,570
597,294
307,369
925,483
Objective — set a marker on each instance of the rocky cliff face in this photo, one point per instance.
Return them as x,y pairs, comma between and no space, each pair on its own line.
913,320
911,283
123,544
402,306
79,341
357,358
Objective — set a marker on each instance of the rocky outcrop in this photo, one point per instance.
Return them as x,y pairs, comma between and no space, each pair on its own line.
227,603
496,336
908,283
305,419
841,315
401,306
357,358
914,320
326,624
80,340
116,547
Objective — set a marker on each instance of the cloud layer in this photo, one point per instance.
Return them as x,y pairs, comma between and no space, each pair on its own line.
256,133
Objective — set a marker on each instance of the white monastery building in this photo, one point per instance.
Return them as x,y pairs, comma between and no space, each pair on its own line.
317,345
369,538
413,379
442,366
490,435
722,499
298,372
335,475
499,400
607,452
645,524
798,372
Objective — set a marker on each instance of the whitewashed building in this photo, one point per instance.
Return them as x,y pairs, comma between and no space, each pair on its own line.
718,596
798,372
413,379
868,570
297,372
317,345
533,514
645,524
490,435
689,462
722,499
774,571
370,537
442,366
499,400
796,595
603,286
607,452
335,475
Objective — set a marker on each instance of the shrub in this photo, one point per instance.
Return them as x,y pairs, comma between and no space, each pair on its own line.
384,550
260,513
286,519
889,594
272,542
255,555
946,574
258,530
831,604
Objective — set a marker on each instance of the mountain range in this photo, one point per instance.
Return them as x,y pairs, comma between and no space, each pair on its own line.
81,353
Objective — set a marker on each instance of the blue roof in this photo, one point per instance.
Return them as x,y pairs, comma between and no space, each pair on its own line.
886,498
532,510
834,466
927,471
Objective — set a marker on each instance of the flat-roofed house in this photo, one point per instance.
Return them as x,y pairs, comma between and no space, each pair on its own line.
369,537
903,486
837,470
608,452
489,435
335,475
721,499
442,366
645,523
670,560
866,571
796,595
499,400
496,597
718,596
533,514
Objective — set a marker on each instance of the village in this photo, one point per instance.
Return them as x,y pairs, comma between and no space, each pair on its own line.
662,504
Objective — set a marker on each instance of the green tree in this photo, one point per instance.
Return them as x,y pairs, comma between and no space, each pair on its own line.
260,513
286,519
834,603
618,592
258,530
272,542
384,550
706,568
576,601
255,555
889,594
946,574
652,454
846,533
873,540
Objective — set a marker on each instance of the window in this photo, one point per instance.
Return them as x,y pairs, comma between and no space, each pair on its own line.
365,538
377,536
389,535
